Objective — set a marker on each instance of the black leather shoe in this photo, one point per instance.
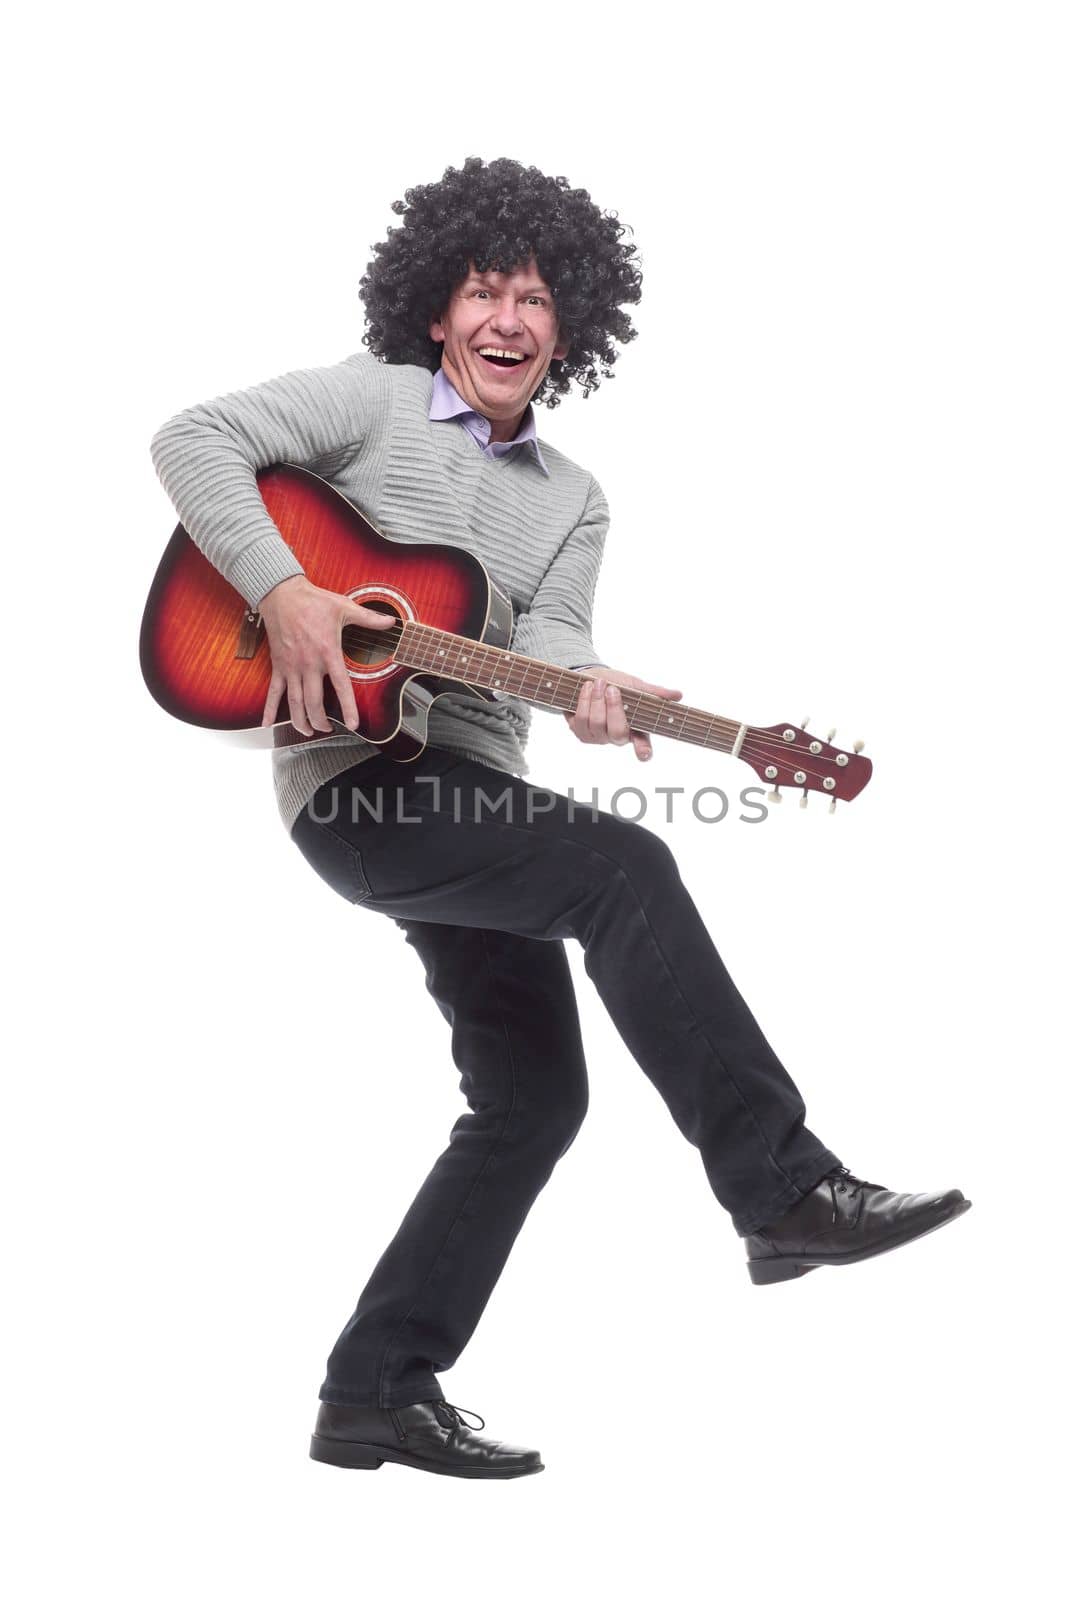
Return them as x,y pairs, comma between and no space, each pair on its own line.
843,1219
429,1435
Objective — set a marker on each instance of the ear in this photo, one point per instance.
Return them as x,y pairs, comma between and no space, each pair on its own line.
437,332
560,352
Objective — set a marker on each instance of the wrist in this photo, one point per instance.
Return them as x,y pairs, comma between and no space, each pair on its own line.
290,586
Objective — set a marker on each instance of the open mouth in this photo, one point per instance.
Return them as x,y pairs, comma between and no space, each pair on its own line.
503,360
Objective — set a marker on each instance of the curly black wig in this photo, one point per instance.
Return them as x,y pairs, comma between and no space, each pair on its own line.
498,214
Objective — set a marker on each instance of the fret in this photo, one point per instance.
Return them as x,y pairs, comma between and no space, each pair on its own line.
452,655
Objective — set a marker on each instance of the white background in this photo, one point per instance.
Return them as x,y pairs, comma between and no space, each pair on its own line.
834,459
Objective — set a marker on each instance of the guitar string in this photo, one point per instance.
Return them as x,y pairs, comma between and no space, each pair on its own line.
458,643
766,745
757,745
523,666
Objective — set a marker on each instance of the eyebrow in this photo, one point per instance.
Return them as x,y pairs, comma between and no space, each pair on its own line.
537,288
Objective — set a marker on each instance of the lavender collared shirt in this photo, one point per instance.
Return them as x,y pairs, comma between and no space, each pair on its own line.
446,404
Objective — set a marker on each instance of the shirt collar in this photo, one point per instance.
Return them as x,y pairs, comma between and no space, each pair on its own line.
446,402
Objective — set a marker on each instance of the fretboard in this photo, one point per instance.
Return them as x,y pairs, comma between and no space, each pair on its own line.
453,656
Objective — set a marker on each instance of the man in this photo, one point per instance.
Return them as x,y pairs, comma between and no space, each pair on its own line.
501,287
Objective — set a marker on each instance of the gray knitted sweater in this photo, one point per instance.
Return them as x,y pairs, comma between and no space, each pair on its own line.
364,427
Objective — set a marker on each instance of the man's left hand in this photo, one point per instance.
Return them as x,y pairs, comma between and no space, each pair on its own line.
599,717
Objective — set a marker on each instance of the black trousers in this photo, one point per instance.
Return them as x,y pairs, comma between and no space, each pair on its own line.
487,876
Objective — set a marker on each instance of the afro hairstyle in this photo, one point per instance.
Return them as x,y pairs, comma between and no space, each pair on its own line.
498,214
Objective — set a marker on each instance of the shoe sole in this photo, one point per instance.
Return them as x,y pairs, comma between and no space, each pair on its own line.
347,1453
782,1269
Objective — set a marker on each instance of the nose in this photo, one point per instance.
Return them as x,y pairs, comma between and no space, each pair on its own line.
506,319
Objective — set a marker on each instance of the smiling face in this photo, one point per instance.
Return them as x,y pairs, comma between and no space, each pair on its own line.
499,332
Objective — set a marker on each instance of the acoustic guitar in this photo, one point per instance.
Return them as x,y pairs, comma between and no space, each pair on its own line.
205,658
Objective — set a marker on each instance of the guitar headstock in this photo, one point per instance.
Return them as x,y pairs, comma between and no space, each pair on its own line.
788,757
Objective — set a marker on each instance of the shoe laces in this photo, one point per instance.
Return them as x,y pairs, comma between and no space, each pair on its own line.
841,1177
453,1414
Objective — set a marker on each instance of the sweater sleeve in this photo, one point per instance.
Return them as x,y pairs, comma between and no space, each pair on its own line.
558,625
207,458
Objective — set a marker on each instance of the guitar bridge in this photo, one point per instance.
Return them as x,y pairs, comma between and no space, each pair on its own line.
250,635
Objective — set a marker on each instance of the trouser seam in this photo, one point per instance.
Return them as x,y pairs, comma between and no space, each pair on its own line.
712,1051
471,1191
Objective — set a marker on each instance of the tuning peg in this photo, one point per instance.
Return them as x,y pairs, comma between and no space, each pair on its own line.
833,804
775,796
858,745
830,736
804,800
804,724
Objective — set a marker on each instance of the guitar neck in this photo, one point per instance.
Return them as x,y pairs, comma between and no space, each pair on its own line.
452,656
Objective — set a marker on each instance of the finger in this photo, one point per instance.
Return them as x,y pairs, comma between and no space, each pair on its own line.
346,698
581,716
297,714
616,726
580,720
274,698
642,746
598,713
316,711
368,617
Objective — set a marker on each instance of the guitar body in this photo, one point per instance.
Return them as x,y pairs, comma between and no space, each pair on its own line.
205,658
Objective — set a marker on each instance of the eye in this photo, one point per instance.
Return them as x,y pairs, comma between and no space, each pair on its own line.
477,292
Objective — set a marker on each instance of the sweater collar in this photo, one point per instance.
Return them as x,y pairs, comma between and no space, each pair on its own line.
446,404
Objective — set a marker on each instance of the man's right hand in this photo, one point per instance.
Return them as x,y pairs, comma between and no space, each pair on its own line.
303,626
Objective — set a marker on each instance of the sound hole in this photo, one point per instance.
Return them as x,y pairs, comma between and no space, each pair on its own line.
364,647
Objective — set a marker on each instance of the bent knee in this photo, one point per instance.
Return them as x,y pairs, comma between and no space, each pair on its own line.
641,855
567,1126
557,1123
